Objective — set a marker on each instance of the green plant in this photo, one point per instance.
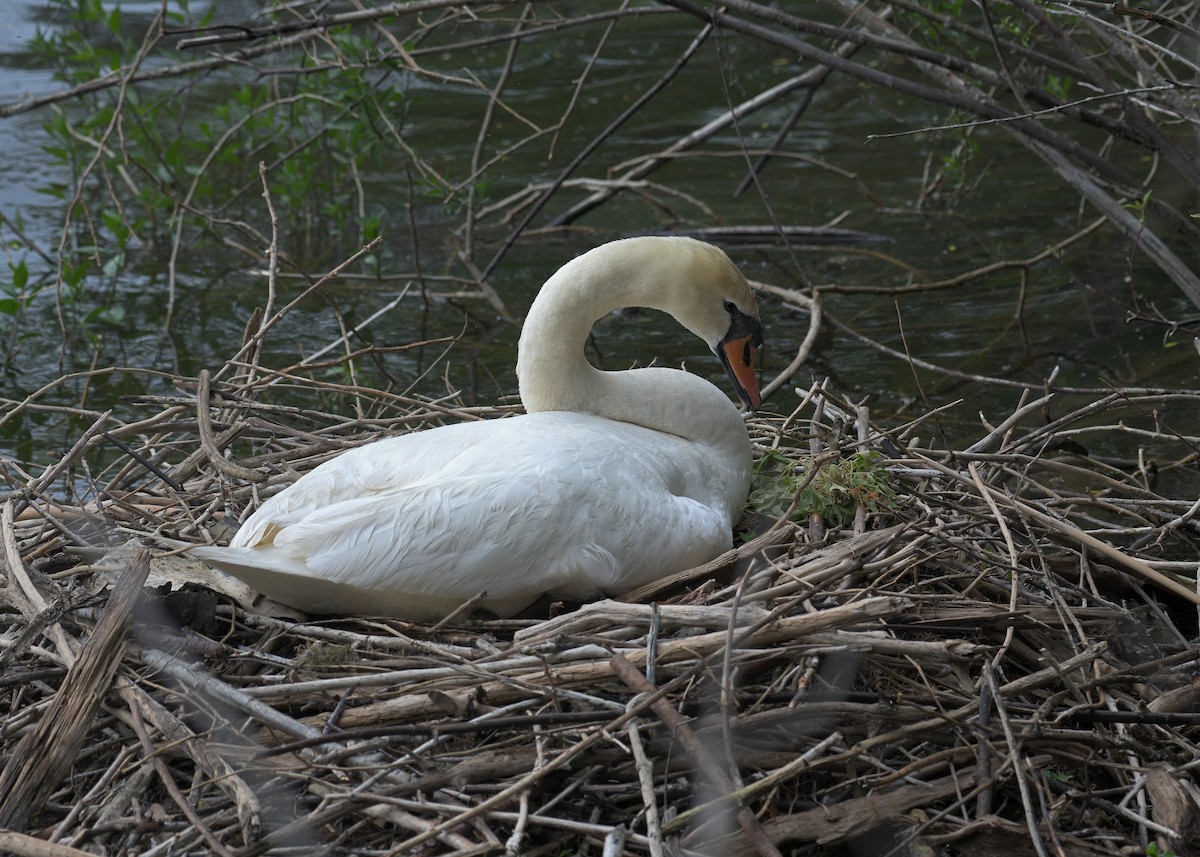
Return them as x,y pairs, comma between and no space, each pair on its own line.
956,164
833,491
1138,206
154,174
1058,86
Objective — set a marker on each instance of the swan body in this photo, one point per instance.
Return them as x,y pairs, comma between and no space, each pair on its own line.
610,480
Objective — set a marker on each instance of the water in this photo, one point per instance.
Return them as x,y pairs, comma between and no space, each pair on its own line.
1069,316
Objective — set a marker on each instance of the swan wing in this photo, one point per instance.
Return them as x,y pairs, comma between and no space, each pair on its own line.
376,468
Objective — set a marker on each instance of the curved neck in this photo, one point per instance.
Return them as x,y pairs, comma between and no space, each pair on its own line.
554,374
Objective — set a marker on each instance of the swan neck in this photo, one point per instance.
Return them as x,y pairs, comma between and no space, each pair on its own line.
554,374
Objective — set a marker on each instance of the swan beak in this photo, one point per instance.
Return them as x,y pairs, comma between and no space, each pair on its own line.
739,359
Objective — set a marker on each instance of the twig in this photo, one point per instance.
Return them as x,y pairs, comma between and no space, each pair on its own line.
645,774
700,754
23,845
209,444
45,755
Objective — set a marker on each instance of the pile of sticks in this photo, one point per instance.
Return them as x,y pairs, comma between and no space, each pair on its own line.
1004,660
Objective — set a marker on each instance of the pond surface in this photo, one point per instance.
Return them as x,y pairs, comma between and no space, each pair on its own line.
1067,315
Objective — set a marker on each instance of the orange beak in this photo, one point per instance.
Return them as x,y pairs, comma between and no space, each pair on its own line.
739,358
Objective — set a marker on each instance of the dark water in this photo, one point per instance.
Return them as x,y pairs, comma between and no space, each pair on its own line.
1069,315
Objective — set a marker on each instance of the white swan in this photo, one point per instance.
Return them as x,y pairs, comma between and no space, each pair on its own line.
610,481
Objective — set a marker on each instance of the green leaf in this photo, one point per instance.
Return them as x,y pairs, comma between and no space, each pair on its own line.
114,264
20,275
110,315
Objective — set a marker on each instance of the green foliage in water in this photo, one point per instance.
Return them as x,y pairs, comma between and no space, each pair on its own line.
150,168
834,491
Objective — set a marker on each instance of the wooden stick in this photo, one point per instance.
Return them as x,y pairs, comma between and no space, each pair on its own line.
47,753
708,764
23,845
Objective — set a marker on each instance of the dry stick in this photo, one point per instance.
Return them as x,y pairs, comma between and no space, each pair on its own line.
218,771
461,610
268,309
270,322
987,379
816,523
485,127
1156,140
925,92
1078,535
645,772
1018,770
1049,145
587,150
168,781
815,314
215,62
321,22
209,445
999,431
344,339
581,79
785,129
862,422
25,596
440,730
13,408
652,590
1020,685
955,23
89,799
539,681
507,794
1135,229
1011,630
1051,149
23,845
224,693
851,817
764,98
635,615
983,758
1122,10
959,279
66,461
376,807
47,753
125,78
705,761
777,777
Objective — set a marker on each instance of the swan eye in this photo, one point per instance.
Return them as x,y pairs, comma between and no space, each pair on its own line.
730,307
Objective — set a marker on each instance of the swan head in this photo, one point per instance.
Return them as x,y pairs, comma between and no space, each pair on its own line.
712,299
691,280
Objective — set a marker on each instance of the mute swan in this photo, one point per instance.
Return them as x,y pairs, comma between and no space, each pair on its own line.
610,481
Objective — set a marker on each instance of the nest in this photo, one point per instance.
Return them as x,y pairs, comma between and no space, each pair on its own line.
1000,658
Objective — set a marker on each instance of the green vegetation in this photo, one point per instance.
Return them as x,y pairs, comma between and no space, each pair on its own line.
833,492
154,169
